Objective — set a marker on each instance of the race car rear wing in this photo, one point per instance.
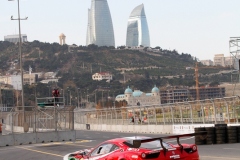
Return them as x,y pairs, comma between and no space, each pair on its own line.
137,143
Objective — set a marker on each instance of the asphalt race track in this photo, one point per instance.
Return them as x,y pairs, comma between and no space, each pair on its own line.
56,150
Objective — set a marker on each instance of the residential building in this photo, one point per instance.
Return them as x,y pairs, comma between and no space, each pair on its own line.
100,28
229,61
139,98
173,95
15,80
15,38
219,60
207,62
102,75
137,29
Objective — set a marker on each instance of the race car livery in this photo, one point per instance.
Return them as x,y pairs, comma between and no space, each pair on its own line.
140,148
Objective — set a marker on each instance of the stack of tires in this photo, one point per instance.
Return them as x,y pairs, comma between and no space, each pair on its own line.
211,138
232,134
238,134
198,139
221,135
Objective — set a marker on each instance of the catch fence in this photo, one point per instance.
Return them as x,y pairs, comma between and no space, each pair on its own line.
208,111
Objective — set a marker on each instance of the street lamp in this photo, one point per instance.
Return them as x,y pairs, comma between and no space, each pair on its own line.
20,55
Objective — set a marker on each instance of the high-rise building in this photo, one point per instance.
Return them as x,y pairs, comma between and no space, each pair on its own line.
100,27
137,29
15,38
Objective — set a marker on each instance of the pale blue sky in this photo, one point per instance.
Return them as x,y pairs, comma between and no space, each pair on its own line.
199,27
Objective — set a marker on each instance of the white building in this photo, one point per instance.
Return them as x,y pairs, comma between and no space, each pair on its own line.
229,61
102,75
15,38
207,62
138,97
219,60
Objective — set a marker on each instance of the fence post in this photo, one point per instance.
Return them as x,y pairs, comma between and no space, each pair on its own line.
180,106
191,112
203,113
228,116
214,111
172,114
155,114
35,123
163,112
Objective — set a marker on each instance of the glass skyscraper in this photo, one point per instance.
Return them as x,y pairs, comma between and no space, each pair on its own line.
100,28
137,29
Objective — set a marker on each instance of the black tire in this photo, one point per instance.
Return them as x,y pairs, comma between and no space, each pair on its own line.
220,131
220,142
221,135
210,129
199,129
232,141
232,135
232,128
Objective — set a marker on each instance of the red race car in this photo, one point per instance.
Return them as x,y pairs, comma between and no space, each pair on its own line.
140,148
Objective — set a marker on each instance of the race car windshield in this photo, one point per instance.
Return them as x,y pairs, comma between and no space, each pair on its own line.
149,145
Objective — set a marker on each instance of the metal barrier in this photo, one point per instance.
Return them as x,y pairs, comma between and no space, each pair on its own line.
208,111
40,119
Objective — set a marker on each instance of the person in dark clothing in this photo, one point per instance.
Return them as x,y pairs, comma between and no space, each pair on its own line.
55,94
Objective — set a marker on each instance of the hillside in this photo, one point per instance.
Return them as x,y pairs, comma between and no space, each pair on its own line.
75,65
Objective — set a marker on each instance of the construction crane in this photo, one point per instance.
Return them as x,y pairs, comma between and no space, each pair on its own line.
196,68
197,84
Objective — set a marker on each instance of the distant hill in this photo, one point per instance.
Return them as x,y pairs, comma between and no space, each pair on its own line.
75,65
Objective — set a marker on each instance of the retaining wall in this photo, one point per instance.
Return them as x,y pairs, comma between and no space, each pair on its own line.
39,137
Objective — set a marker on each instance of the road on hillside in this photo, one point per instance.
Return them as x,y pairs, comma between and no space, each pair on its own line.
88,139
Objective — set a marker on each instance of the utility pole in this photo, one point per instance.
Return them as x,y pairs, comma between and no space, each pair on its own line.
20,56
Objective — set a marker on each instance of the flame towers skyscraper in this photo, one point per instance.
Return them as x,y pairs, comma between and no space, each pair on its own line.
100,28
137,29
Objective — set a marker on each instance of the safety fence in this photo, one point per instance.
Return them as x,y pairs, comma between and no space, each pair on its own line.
37,119
208,111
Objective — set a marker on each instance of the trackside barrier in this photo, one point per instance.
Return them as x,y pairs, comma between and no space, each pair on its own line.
162,129
40,137
219,134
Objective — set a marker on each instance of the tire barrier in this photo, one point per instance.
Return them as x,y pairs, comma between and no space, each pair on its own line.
198,139
211,138
238,133
232,134
220,134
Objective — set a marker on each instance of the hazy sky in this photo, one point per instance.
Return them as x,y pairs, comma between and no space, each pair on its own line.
199,27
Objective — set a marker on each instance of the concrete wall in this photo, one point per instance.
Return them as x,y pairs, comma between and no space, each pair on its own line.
39,137
162,129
